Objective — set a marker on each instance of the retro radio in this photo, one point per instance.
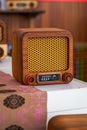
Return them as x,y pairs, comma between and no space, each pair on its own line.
21,4
3,45
42,56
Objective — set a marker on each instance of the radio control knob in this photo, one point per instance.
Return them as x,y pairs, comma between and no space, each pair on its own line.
67,77
29,79
1,52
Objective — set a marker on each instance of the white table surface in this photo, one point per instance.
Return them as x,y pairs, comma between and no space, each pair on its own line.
62,99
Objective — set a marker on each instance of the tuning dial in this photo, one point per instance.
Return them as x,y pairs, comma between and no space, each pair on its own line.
1,52
67,77
29,79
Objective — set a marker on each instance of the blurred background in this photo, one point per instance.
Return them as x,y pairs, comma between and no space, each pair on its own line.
71,16
68,15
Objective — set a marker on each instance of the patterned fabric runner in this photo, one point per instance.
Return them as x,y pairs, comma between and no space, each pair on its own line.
21,107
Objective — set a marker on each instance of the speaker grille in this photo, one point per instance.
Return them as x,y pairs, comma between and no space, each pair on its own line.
47,54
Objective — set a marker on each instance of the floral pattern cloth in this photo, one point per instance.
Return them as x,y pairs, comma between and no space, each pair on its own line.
21,107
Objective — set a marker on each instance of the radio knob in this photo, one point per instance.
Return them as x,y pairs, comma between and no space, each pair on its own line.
1,52
29,79
67,77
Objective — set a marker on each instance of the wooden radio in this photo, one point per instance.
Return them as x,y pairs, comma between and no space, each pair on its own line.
42,56
3,37
21,4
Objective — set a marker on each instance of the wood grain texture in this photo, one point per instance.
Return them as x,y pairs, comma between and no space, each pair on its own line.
15,20
71,16
68,122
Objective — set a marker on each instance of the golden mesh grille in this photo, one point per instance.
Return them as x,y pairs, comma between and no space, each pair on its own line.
1,33
47,54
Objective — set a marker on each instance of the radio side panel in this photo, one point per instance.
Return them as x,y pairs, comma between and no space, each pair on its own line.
17,57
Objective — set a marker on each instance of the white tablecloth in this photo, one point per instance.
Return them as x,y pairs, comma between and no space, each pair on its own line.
61,99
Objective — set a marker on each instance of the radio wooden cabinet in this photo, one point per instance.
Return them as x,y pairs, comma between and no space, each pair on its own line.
44,56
